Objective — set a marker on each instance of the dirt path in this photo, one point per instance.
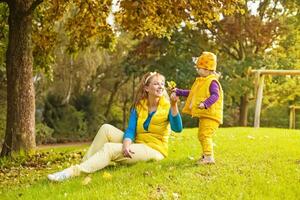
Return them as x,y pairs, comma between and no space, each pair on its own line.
71,144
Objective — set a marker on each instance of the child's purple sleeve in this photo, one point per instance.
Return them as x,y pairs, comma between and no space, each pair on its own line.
214,94
181,92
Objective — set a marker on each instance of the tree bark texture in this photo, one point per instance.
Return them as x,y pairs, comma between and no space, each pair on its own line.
20,124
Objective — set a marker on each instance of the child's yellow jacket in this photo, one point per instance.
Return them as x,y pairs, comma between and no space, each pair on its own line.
199,93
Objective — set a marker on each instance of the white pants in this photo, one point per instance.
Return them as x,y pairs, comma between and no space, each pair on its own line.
107,147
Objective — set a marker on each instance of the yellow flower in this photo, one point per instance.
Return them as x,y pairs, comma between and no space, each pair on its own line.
171,85
107,176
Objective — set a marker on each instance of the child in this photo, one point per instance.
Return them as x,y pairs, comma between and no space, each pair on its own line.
205,101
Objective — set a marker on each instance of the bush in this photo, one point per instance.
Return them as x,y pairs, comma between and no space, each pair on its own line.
90,106
43,134
230,117
67,123
115,116
189,122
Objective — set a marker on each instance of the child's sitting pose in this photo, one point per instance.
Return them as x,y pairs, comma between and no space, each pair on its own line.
205,101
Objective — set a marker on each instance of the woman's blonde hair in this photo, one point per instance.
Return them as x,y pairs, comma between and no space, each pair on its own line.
141,92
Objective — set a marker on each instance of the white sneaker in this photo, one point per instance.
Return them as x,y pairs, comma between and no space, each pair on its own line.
59,176
206,160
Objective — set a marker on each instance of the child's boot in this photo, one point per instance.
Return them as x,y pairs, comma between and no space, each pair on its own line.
206,160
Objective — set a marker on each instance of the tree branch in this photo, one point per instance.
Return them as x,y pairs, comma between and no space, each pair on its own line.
221,40
262,8
90,8
227,50
33,6
273,10
241,49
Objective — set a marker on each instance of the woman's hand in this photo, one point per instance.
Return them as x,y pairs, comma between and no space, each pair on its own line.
126,150
174,99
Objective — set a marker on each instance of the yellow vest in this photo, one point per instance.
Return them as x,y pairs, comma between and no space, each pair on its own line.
159,128
199,93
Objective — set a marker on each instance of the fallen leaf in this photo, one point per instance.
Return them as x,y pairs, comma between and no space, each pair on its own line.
107,176
175,196
87,180
191,158
158,193
147,173
251,137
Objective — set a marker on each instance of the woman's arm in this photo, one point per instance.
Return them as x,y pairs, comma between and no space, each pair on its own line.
176,122
174,99
174,115
129,134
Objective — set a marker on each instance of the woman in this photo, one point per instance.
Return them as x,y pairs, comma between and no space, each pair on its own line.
146,137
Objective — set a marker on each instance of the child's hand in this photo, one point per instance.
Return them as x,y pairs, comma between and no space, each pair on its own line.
201,106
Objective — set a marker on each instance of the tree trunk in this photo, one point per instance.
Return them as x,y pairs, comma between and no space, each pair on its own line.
124,108
133,87
67,97
111,98
20,121
244,110
116,87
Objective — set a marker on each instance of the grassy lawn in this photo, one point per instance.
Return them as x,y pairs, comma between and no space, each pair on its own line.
251,164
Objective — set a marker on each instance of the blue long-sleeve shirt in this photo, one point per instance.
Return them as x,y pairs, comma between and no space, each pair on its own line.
130,132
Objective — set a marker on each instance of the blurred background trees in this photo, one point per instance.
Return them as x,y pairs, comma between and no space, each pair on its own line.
86,70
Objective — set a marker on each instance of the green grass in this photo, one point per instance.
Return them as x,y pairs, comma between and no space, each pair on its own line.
251,164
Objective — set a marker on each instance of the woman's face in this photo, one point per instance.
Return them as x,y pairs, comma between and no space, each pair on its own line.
156,86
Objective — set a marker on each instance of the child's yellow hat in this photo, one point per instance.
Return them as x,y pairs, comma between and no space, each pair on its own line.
207,60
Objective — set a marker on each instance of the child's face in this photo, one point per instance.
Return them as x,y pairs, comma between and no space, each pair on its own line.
203,72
